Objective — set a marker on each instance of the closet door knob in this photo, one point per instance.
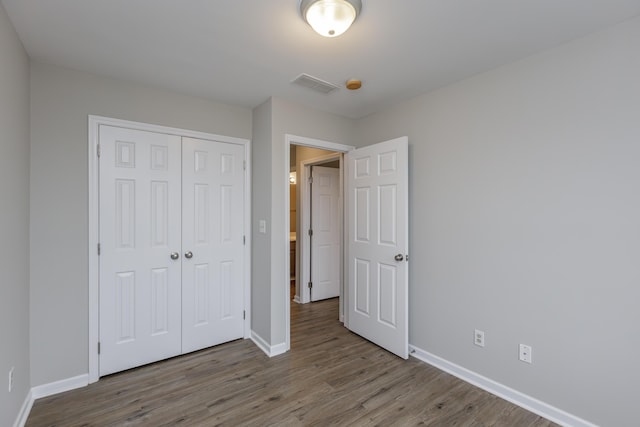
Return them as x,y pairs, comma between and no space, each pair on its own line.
188,255
174,255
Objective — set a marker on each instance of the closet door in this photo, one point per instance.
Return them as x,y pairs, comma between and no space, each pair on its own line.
212,242
140,217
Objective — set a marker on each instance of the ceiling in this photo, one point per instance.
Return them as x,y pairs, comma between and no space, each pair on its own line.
243,52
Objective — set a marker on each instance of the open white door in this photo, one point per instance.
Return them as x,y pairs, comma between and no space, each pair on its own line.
326,226
378,241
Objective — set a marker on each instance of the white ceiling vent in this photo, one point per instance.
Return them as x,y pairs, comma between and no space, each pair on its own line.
314,83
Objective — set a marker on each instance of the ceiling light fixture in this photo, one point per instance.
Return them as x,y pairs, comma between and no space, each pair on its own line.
330,18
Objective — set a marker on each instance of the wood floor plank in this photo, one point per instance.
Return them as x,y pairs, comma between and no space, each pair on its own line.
330,377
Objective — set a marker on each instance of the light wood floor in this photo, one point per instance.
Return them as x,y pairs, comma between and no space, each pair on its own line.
330,377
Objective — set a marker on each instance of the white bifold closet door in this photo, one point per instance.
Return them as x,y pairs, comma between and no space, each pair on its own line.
212,239
171,237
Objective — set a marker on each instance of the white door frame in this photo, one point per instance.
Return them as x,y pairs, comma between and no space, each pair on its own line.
286,247
93,221
302,274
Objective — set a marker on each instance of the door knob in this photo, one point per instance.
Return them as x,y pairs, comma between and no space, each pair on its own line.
188,255
175,255
399,257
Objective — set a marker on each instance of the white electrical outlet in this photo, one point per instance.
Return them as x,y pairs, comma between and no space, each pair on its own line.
11,378
526,354
478,338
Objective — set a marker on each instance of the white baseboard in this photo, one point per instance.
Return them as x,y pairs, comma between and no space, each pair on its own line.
296,299
261,343
507,393
25,410
45,390
61,386
278,349
269,350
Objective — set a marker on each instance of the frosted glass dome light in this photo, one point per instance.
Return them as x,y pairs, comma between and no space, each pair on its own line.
330,18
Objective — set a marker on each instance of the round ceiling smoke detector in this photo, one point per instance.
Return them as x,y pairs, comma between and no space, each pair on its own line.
353,84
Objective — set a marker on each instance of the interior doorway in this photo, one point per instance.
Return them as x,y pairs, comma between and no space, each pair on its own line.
319,224
375,218
301,155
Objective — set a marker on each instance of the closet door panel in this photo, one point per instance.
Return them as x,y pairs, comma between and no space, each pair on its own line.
140,226
213,247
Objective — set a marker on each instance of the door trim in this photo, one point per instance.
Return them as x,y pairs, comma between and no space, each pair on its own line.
93,221
308,142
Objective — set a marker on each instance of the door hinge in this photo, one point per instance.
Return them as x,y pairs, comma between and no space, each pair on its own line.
244,314
310,285
244,165
98,347
244,240
98,150
310,180
98,248
310,232
406,258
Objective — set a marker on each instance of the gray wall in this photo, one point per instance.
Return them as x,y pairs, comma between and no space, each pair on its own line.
261,210
272,121
14,221
61,100
524,216
294,119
